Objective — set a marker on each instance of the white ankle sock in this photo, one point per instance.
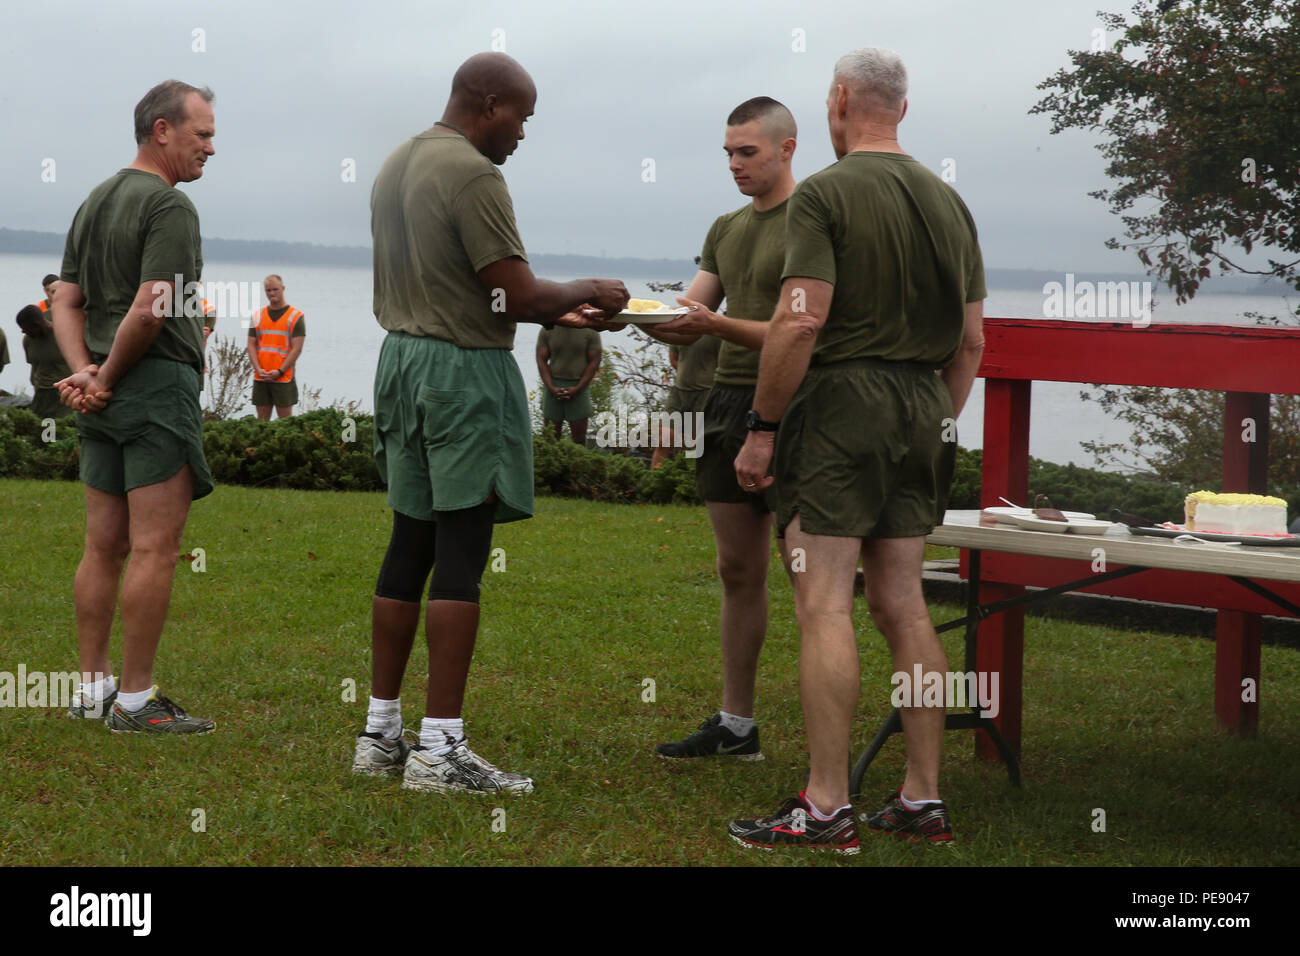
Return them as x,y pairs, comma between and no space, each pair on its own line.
134,701
817,814
915,804
99,689
740,726
441,734
385,717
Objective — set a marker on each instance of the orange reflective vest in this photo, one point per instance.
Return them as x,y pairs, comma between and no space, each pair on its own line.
274,340
43,305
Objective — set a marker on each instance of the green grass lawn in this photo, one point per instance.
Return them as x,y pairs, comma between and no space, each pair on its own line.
595,599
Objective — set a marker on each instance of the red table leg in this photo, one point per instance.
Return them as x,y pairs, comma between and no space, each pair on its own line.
1236,672
1237,635
1005,472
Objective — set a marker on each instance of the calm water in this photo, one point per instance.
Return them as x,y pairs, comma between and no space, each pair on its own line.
343,342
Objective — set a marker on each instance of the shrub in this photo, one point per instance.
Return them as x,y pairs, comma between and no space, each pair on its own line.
25,453
304,451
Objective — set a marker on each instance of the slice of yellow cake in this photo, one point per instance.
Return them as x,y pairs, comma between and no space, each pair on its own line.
1234,514
646,305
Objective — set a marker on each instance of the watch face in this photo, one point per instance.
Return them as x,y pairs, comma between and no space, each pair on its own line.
751,419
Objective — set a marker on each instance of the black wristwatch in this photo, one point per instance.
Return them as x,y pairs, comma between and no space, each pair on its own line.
756,424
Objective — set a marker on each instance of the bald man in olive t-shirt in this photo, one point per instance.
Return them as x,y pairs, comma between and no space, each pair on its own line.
453,439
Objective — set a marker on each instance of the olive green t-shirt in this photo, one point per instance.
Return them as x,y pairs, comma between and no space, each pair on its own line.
696,363
440,212
900,248
46,360
133,228
745,250
568,349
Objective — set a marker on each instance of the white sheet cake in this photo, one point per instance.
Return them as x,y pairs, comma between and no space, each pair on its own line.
1234,514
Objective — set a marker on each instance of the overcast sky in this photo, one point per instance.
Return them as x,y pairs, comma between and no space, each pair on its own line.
303,87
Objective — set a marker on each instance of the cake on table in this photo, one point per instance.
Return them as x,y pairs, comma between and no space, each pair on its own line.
1234,514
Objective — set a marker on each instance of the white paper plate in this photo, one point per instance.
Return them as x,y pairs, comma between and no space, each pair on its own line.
649,318
1078,522
1007,514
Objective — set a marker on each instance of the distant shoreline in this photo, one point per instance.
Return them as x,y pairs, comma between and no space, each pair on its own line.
264,252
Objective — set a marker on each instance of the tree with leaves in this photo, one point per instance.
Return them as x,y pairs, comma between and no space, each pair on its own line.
1198,103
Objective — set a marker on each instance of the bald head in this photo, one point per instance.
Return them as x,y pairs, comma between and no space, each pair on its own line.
490,74
492,97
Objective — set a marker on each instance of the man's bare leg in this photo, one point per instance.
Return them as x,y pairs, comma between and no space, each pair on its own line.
578,431
892,566
263,412
743,555
452,629
108,540
283,411
157,516
392,626
828,658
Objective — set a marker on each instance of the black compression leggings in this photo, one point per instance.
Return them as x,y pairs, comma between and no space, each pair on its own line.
455,545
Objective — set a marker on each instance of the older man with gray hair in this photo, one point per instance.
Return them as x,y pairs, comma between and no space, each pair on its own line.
137,363
871,354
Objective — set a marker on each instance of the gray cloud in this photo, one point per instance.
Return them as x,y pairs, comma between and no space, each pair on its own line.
302,87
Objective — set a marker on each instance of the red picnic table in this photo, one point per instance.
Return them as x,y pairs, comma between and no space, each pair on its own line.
1250,364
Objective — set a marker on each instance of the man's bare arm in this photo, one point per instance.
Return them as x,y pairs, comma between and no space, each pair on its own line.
252,354
593,365
138,330
705,288
292,358
703,319
789,345
544,367
526,298
69,316
960,375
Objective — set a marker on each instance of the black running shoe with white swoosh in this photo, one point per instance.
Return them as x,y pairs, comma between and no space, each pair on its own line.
714,740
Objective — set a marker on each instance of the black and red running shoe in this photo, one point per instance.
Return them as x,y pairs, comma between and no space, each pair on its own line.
795,826
927,825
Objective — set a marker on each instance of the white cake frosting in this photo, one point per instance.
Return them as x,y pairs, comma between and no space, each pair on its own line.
1234,514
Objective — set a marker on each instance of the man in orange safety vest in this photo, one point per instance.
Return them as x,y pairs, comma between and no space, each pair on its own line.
275,340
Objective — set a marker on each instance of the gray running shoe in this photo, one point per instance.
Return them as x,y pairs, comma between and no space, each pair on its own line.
461,771
377,755
158,716
89,708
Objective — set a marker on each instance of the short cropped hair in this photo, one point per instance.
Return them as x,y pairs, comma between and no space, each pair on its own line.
775,118
877,73
166,101
29,316
48,279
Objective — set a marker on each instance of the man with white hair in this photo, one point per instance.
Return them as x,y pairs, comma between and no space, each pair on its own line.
137,356
870,355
